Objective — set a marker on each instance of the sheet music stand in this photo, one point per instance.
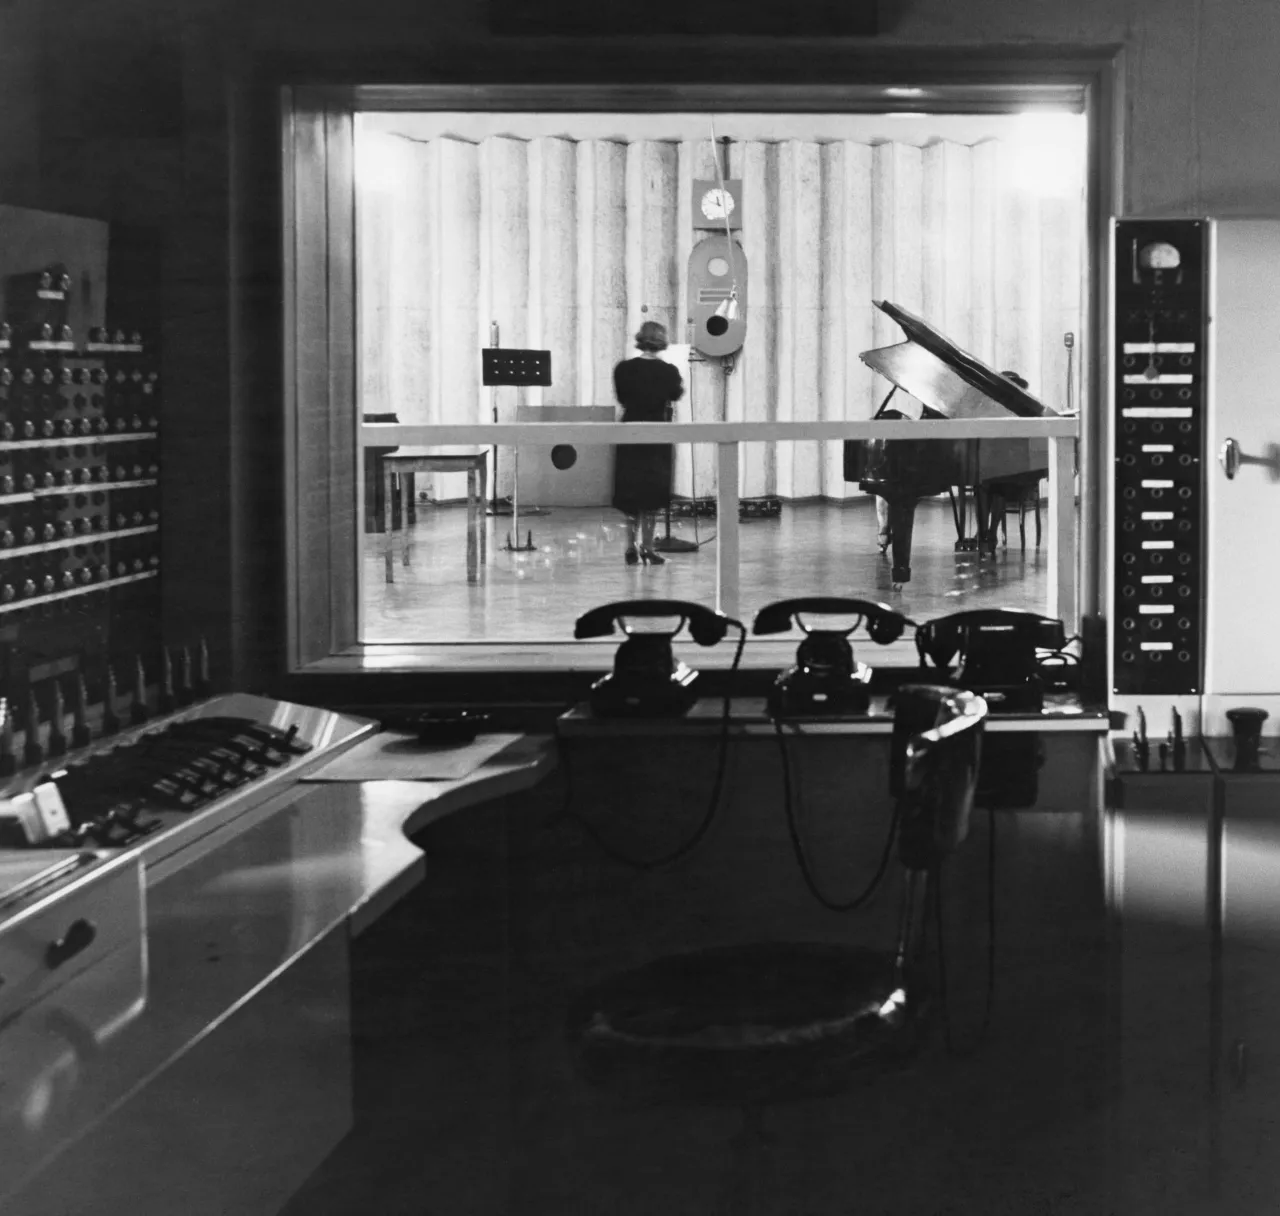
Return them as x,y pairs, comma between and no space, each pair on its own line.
503,367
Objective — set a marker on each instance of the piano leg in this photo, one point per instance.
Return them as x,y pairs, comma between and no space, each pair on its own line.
902,522
990,515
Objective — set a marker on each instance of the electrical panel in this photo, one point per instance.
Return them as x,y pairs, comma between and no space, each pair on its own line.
1160,317
80,420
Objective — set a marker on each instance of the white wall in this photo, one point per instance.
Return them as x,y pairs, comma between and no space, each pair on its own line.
570,240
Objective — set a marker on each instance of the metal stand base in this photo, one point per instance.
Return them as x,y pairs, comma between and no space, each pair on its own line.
503,506
527,547
673,544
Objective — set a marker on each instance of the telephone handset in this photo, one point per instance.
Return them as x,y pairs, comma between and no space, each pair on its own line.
884,625
706,626
647,680
997,649
826,678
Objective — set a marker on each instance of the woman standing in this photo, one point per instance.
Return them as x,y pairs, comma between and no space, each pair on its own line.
645,387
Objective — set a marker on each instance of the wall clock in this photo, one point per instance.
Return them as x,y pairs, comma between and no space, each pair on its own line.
713,204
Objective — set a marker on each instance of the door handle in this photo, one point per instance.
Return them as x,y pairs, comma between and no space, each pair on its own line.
1229,457
79,936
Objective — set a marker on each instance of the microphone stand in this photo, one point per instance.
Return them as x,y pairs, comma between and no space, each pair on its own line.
493,405
677,544
496,505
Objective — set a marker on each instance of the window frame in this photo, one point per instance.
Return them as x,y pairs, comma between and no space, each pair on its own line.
323,471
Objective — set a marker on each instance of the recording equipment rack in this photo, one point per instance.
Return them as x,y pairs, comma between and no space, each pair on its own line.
1160,342
80,425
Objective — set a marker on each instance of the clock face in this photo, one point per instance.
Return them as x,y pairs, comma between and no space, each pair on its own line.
717,204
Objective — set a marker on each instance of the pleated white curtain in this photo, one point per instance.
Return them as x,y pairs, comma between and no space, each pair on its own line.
568,245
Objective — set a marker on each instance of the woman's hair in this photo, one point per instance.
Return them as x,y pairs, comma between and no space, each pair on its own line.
652,335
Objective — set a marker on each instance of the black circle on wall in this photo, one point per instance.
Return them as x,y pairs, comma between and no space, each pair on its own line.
564,455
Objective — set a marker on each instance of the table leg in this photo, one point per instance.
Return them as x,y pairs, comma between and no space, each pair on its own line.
388,537
405,480
483,472
472,539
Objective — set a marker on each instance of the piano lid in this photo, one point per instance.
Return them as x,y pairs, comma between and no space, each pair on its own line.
947,379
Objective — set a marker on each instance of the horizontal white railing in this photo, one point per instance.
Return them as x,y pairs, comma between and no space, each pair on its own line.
510,434
1061,434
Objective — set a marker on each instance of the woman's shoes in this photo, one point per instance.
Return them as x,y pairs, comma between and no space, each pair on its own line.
632,556
651,558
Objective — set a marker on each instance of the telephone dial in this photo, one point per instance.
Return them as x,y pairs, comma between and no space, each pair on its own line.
826,678
647,680
997,649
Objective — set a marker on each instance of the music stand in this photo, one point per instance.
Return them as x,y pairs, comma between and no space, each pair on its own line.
508,366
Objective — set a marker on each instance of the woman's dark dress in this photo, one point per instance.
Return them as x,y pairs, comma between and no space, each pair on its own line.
642,471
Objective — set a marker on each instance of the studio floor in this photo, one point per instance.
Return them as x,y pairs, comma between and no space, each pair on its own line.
577,563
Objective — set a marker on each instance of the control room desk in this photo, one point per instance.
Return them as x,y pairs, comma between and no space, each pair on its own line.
643,787
233,1081
1063,714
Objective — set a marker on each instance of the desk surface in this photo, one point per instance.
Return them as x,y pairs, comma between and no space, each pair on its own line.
221,928
747,717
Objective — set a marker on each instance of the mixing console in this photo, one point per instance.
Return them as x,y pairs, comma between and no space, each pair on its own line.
176,772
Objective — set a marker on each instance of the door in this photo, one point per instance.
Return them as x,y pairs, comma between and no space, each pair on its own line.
1249,1064
1243,583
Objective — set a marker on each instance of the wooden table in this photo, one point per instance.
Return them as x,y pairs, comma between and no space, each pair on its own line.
474,464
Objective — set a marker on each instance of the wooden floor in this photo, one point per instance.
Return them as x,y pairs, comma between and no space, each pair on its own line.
814,549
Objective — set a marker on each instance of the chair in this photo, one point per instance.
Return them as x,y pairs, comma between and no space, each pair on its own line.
1013,495
757,1024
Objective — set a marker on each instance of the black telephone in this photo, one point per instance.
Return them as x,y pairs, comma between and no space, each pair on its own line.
826,679
997,648
647,680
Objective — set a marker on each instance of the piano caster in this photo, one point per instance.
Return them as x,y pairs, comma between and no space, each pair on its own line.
896,586
899,576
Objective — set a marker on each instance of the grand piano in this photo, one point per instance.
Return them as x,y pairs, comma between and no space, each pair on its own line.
934,378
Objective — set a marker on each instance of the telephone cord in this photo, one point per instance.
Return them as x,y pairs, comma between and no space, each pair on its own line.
683,850
789,801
